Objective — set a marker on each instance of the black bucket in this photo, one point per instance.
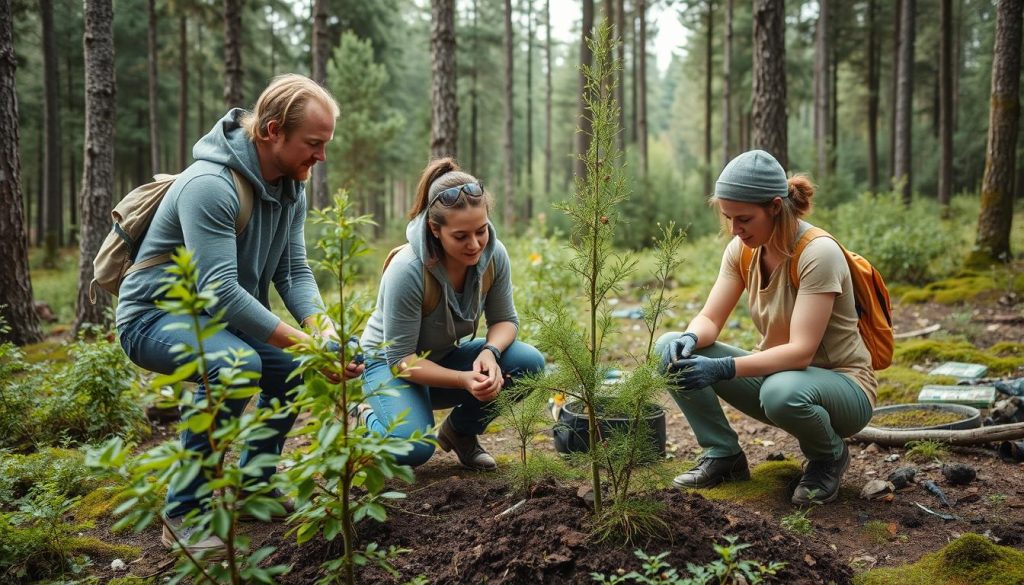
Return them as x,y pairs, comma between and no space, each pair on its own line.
572,434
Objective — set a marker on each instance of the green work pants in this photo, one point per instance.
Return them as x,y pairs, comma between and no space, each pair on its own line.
817,406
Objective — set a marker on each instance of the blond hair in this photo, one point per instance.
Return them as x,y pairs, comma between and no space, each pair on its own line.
284,101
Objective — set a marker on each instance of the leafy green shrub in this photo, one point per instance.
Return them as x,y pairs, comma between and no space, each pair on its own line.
35,542
63,468
905,243
727,570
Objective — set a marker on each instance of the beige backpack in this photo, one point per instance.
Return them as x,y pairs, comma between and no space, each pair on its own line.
132,216
432,288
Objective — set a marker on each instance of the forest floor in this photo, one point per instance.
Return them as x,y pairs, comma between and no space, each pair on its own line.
450,525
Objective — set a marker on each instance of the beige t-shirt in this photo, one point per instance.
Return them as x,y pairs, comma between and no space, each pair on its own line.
822,269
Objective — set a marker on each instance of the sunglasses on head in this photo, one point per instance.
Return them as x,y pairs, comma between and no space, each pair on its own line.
450,196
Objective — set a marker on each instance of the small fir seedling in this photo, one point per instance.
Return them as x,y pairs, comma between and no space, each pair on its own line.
728,569
340,475
170,466
798,522
926,450
523,408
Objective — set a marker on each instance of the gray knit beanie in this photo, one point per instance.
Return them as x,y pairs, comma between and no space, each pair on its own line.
752,177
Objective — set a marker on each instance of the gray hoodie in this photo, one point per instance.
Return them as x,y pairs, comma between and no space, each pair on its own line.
398,318
199,212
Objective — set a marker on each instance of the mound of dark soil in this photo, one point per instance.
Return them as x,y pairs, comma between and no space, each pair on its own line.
453,537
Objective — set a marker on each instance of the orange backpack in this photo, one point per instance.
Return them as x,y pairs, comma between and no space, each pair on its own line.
874,310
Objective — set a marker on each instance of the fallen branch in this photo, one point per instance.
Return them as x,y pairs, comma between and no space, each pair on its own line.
893,438
917,332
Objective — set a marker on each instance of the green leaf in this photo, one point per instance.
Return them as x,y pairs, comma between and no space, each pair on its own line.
199,422
221,522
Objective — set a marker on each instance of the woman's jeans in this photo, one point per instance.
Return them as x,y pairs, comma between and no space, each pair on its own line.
817,406
469,416
148,344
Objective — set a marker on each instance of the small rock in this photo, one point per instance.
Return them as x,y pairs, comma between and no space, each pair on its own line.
959,474
586,493
902,477
777,456
118,565
876,489
872,448
893,457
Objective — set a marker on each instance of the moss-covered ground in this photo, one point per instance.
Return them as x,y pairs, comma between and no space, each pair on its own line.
969,560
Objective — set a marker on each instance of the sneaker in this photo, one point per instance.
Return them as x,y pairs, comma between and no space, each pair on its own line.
287,505
711,471
210,548
467,448
820,482
358,413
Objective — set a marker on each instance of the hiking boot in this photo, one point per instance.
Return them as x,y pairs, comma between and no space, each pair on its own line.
711,471
209,548
467,447
287,504
820,482
358,413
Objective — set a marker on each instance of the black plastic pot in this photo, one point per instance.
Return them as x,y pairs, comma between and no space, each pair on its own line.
970,417
572,434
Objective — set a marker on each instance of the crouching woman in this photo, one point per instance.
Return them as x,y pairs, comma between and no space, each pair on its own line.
453,250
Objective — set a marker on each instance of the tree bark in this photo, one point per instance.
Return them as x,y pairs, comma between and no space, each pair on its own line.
98,171
822,89
528,193
894,92
620,88
641,85
233,53
444,119
996,216
53,210
509,215
769,92
727,87
872,100
321,52
946,104
474,92
15,281
183,93
899,438
154,105
709,49
586,58
547,98
902,175
201,70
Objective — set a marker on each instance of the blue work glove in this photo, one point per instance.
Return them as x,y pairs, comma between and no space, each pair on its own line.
696,372
682,346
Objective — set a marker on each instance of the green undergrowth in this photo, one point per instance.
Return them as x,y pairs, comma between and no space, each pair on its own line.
65,468
971,559
131,580
899,384
51,351
965,286
767,480
1002,358
94,547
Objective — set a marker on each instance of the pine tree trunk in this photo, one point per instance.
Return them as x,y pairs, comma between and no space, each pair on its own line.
154,104
53,209
474,93
996,216
709,50
904,101
547,98
98,171
201,91
233,53
183,92
15,281
319,195
946,103
528,193
641,85
727,87
509,196
822,87
893,89
769,92
444,126
872,83
586,57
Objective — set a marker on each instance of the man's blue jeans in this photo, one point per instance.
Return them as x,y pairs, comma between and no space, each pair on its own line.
469,416
148,344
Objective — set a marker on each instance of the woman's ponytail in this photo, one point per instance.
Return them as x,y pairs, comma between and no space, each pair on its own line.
434,170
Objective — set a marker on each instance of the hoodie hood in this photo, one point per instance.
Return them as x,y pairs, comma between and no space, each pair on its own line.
227,144
469,306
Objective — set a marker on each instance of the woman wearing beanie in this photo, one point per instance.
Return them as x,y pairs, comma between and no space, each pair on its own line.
454,257
811,373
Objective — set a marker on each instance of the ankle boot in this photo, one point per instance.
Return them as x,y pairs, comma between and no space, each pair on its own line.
467,448
711,471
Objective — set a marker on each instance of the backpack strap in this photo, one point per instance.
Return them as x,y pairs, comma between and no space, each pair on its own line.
746,263
806,238
245,200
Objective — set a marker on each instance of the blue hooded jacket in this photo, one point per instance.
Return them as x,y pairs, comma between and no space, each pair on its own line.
199,212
